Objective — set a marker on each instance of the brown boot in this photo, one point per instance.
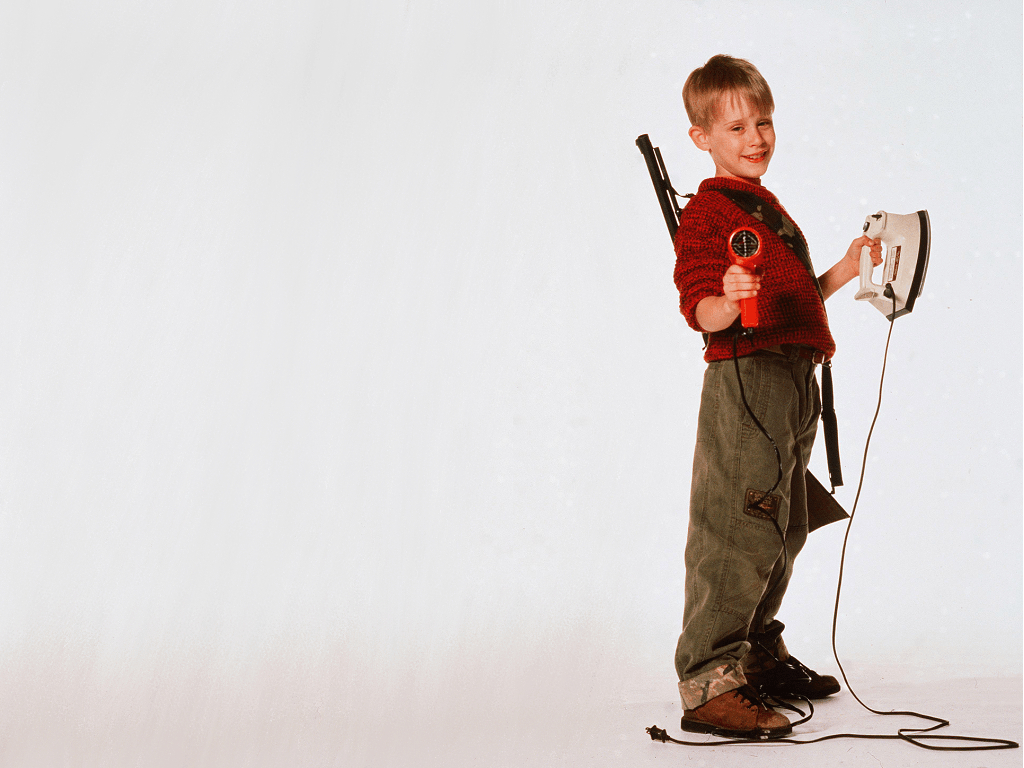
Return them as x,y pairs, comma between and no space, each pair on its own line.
738,714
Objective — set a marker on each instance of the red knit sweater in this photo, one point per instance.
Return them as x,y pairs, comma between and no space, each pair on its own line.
790,308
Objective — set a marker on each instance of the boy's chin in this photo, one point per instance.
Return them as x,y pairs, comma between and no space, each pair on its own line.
751,177
755,171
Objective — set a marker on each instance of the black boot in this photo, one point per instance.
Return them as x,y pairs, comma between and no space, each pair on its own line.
774,672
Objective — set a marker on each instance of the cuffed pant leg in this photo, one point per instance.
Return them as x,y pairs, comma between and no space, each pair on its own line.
731,550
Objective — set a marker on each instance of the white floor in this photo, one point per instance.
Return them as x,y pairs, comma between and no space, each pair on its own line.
290,715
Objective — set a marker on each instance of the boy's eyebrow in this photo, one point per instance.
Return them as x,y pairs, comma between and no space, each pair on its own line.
741,120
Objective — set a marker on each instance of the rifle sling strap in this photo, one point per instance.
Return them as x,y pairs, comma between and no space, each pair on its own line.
784,227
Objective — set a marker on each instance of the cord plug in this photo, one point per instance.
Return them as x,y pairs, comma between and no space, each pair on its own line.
658,734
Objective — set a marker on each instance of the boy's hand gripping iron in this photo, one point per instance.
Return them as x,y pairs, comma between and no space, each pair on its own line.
907,238
745,250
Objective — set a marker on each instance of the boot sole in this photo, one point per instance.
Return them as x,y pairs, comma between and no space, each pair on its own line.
699,726
791,693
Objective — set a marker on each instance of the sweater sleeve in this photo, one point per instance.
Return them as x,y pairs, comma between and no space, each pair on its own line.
701,260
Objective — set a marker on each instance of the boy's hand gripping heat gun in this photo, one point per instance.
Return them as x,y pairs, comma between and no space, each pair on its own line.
745,250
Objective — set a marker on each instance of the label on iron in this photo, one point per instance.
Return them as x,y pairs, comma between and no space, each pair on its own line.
894,261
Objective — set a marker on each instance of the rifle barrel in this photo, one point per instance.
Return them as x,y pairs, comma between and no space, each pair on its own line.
662,185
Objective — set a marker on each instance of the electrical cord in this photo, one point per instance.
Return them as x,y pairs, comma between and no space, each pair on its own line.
913,736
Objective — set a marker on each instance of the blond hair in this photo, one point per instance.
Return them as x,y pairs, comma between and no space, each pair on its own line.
723,75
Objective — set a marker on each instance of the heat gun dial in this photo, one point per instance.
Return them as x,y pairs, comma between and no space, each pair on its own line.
744,243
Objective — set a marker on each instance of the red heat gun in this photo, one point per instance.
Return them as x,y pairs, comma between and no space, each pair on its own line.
745,250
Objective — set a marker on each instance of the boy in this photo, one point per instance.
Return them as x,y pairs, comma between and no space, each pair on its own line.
731,651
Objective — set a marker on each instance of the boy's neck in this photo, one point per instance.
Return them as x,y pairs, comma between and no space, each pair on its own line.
756,182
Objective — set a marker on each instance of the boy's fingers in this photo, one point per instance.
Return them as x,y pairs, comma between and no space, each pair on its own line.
743,285
740,283
740,295
745,277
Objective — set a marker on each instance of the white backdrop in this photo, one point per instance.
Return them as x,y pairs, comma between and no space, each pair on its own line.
342,379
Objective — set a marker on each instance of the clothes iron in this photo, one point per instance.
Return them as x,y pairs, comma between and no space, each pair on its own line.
907,238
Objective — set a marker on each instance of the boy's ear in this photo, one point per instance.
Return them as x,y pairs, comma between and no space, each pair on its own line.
700,138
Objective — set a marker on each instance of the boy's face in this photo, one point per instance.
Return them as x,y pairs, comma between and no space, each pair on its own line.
741,140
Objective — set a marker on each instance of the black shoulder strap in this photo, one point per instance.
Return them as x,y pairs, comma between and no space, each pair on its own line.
784,227
778,223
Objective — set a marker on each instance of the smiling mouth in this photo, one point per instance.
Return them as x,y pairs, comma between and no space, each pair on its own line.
756,158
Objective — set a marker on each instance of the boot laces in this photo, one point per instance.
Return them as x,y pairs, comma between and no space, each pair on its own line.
793,663
750,697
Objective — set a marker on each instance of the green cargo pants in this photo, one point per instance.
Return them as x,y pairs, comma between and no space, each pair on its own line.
733,550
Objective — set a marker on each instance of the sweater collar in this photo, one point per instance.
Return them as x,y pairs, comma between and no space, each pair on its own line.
724,182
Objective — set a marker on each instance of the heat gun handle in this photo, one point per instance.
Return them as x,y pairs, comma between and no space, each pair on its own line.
745,251
748,307
748,313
